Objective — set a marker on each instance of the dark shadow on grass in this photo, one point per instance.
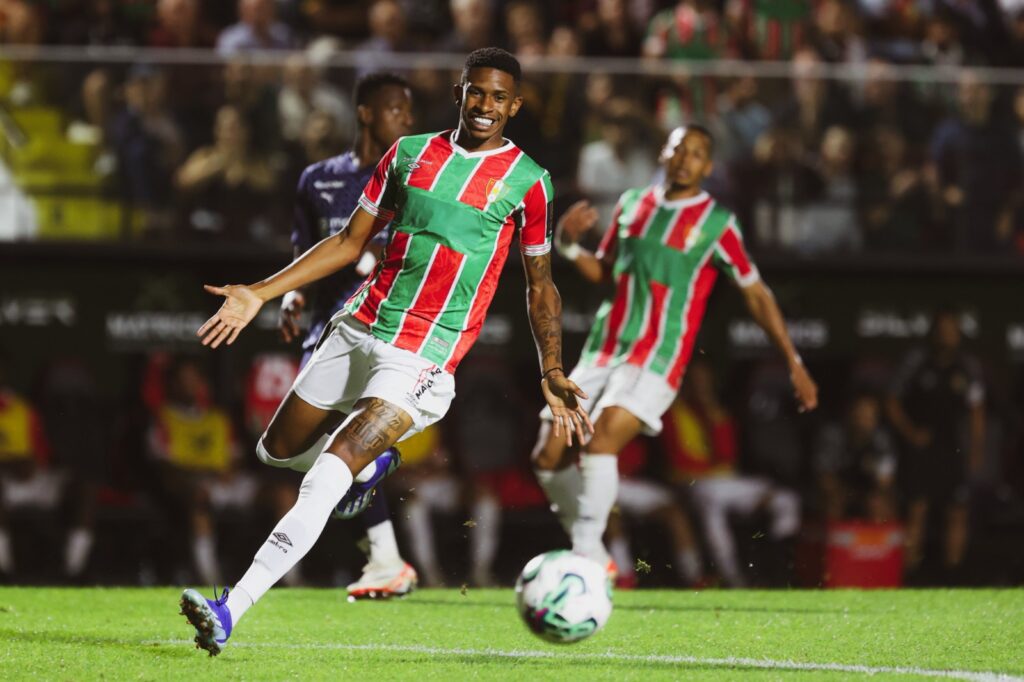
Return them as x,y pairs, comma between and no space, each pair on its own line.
158,649
459,601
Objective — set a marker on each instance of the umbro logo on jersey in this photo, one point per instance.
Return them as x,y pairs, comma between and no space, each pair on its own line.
281,537
328,184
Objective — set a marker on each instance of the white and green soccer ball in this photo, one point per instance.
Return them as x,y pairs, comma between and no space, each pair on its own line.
563,597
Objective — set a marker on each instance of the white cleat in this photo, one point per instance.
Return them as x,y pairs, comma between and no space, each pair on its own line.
383,581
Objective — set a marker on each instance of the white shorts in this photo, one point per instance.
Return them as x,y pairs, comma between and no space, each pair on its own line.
639,497
351,364
644,394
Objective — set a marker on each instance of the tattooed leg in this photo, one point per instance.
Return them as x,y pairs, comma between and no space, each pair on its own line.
373,427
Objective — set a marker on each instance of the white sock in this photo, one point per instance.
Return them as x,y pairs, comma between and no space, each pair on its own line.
600,476
383,544
76,552
689,566
6,555
204,552
301,463
239,602
562,488
619,548
294,535
484,538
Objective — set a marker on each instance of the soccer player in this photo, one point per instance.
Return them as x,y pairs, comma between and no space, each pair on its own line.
664,250
327,195
455,201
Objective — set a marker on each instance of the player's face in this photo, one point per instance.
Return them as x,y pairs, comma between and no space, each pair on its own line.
487,99
690,162
390,114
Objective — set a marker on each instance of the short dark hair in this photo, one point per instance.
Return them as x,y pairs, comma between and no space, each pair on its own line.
371,84
493,58
703,130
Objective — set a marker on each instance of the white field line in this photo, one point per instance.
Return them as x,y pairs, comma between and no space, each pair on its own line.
726,662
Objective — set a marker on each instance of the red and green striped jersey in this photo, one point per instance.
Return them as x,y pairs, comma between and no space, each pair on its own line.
453,215
667,257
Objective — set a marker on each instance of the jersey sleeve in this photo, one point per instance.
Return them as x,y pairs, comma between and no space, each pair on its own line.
731,256
303,220
378,198
537,225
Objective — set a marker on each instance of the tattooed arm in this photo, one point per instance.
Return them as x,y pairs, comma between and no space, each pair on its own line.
544,306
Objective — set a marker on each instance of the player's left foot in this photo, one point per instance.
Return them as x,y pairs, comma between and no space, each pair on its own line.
359,496
210,617
382,581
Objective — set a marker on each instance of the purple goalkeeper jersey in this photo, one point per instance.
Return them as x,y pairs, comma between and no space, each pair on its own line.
327,194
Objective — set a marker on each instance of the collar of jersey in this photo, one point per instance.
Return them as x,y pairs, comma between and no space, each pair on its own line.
659,195
474,155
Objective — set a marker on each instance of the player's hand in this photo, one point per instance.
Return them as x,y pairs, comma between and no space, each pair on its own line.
239,308
805,390
562,396
580,218
292,306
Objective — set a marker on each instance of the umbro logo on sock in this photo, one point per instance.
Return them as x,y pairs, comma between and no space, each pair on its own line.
281,537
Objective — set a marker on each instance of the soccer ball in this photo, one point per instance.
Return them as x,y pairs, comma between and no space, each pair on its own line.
563,597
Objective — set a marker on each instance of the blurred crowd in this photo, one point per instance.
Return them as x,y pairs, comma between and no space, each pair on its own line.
913,466
866,162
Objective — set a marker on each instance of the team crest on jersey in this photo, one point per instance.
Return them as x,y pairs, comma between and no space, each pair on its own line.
496,190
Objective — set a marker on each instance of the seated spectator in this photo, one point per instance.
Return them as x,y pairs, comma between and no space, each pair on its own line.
780,184
895,204
701,441
975,168
257,29
770,30
388,34
20,23
815,104
253,91
692,29
936,393
741,118
24,456
179,23
524,26
837,33
149,146
303,92
644,499
228,186
472,27
620,158
99,22
609,31
855,461
829,221
193,443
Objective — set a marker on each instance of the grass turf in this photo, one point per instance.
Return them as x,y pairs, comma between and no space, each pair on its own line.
81,634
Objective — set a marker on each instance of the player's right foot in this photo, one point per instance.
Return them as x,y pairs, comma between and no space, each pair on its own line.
383,581
359,496
210,617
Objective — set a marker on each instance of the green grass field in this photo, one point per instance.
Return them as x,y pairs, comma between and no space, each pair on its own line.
85,634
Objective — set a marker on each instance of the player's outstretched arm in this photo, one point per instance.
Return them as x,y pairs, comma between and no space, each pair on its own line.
242,303
765,311
580,218
544,306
